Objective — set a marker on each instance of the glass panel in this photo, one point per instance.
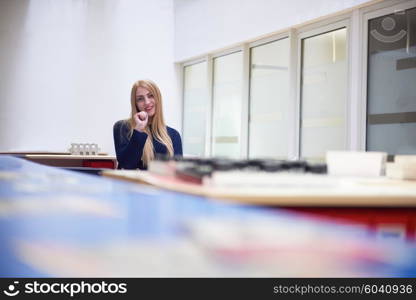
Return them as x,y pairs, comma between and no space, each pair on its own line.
227,105
195,109
391,107
324,94
269,100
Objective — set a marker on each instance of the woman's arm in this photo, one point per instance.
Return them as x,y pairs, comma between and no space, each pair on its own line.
176,142
128,151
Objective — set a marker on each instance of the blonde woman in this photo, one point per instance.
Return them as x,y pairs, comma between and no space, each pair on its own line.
145,133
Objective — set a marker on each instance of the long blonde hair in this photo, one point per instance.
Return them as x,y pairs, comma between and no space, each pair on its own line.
158,127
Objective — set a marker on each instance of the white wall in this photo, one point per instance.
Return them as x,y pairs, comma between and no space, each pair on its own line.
66,68
203,26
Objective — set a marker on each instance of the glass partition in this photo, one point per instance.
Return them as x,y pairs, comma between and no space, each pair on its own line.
323,94
269,100
227,105
195,108
391,83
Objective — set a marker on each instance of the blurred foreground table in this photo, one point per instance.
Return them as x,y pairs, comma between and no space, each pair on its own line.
383,206
59,223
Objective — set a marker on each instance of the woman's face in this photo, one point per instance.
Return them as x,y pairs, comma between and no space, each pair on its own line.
145,101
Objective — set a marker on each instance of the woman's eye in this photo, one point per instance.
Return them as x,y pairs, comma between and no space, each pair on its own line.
150,96
139,99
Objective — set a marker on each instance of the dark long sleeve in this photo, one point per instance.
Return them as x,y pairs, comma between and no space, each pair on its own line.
128,151
176,141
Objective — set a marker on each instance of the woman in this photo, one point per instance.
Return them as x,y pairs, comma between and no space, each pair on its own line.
145,133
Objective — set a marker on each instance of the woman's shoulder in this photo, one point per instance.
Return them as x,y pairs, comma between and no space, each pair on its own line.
172,131
121,124
121,129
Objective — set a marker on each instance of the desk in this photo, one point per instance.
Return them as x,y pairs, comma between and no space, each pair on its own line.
292,190
382,206
60,223
68,160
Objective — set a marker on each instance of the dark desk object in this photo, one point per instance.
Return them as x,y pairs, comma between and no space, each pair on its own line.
67,224
85,170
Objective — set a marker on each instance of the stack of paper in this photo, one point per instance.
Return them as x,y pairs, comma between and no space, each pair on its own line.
356,163
403,167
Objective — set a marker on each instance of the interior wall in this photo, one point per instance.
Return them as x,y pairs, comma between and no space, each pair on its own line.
203,26
66,68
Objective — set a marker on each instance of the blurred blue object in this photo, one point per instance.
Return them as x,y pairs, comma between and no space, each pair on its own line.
59,223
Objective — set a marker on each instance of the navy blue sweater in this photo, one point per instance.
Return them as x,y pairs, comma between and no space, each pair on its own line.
129,151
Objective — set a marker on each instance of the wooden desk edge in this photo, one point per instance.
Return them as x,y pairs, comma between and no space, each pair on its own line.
272,200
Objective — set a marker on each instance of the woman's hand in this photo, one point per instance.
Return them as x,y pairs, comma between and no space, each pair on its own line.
141,119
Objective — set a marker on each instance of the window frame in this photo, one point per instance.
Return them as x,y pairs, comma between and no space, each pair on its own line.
355,20
366,15
318,29
243,136
250,46
182,92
